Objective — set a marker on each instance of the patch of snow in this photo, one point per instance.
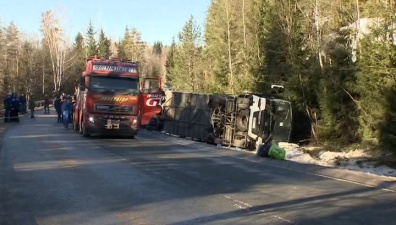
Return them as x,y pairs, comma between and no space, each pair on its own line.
358,160
301,157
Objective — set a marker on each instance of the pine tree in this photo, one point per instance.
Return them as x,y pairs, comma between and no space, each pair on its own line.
375,83
186,74
121,53
170,61
137,46
337,95
157,48
387,132
78,66
92,48
103,45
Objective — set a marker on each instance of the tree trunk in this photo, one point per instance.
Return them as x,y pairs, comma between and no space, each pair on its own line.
318,40
244,23
356,45
43,72
229,46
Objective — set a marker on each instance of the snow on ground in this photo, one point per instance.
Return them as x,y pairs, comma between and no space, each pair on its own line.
352,160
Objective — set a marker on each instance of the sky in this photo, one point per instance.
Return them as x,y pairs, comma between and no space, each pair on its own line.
157,20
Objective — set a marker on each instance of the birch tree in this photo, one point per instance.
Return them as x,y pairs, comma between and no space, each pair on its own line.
12,55
2,58
54,39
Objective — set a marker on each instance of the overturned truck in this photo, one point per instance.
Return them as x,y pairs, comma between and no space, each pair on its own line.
243,121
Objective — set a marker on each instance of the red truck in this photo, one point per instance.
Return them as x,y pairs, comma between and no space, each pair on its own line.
152,94
108,98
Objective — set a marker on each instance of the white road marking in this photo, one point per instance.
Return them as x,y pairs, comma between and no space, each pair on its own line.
243,205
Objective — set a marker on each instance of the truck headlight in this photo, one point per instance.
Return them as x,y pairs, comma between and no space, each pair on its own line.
91,119
134,121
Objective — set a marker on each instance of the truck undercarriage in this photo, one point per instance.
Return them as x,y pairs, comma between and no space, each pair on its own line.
244,121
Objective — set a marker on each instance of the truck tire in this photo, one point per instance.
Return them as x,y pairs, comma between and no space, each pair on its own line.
242,120
83,130
75,127
75,124
80,131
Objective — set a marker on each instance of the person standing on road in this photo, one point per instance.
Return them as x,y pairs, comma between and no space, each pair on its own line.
22,99
73,103
46,104
58,109
32,105
66,109
15,107
7,107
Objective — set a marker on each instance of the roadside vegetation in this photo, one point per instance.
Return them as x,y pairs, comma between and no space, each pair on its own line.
336,60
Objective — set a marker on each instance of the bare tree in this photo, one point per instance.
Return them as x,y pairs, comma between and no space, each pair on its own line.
53,37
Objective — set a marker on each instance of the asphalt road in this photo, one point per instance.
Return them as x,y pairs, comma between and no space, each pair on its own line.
52,175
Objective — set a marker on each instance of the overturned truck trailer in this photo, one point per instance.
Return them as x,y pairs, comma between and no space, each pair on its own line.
244,121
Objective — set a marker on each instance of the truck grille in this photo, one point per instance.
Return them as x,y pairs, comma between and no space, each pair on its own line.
114,108
102,121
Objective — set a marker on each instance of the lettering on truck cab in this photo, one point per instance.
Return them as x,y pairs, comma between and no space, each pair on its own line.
152,102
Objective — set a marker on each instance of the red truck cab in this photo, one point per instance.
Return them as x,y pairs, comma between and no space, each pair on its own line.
108,98
152,94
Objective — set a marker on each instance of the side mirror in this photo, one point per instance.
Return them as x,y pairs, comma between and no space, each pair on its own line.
82,84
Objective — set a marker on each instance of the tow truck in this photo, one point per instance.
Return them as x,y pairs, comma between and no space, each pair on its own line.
108,98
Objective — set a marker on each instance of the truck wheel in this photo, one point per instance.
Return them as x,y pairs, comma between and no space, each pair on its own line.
242,120
80,131
75,126
84,130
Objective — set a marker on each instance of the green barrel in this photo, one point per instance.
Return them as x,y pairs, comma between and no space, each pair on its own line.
277,152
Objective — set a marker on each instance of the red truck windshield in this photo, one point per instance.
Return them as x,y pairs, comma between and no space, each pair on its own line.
122,85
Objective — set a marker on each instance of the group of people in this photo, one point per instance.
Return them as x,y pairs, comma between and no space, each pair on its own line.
63,105
14,104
